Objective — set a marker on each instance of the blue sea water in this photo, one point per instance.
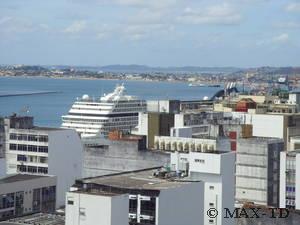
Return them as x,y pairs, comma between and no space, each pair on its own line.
47,109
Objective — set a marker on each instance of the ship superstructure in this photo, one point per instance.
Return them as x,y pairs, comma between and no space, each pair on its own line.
97,117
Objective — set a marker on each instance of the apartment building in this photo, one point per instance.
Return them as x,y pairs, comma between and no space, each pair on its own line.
43,150
216,170
257,171
152,196
23,194
289,180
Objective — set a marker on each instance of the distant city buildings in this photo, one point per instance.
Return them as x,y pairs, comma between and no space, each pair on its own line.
160,162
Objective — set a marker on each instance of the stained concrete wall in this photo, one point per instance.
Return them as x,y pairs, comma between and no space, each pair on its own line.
118,156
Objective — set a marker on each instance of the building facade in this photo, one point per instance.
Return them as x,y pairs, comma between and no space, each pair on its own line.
289,180
42,150
104,156
137,197
257,171
216,170
26,194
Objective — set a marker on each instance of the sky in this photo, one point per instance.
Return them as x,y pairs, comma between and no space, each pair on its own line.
239,33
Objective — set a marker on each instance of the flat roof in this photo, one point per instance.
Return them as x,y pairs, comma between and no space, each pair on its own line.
19,177
260,139
142,179
37,219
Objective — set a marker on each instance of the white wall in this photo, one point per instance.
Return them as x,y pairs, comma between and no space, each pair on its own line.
96,209
264,125
142,127
217,171
297,199
2,167
182,205
179,120
228,184
65,160
212,163
119,210
282,185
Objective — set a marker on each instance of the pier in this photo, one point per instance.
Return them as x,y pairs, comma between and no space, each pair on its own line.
13,94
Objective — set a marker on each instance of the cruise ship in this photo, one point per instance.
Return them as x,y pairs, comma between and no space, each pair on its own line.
97,117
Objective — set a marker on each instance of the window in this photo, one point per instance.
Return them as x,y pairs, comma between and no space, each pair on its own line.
211,221
32,169
32,138
43,159
211,204
22,137
43,170
22,158
211,187
70,202
133,206
12,147
199,160
43,138
32,148
21,168
12,136
43,149
22,147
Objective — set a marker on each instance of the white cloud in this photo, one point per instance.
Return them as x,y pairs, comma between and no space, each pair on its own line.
9,25
76,27
4,20
223,14
282,38
293,7
288,25
136,32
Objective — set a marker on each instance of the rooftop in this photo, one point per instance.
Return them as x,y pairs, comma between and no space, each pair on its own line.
261,140
37,219
19,177
141,179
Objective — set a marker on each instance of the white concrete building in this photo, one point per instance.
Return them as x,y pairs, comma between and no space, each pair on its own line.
42,150
164,106
272,125
216,170
138,197
294,143
2,167
182,144
83,208
294,98
290,180
26,194
257,171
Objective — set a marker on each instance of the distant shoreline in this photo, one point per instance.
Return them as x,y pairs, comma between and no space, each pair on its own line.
91,78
